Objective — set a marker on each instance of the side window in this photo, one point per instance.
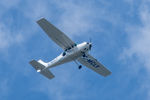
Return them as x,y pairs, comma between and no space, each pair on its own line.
64,53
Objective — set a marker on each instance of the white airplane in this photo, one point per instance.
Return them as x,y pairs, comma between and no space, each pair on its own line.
72,52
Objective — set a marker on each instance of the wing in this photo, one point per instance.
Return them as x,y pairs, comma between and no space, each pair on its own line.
55,34
93,64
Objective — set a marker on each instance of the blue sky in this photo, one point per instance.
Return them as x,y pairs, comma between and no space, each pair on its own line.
120,32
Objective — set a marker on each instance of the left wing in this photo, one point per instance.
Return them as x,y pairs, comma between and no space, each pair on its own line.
93,64
55,34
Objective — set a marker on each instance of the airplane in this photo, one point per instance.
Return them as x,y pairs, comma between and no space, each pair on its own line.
72,52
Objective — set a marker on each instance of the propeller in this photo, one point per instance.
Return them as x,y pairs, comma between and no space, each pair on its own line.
90,44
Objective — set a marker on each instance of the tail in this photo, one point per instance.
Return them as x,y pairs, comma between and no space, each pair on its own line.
40,66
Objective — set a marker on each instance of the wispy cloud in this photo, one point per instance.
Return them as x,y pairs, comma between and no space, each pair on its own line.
4,88
138,49
40,9
7,4
69,84
73,18
76,18
7,38
138,36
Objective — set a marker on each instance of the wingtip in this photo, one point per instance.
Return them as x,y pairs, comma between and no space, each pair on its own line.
108,74
30,62
41,19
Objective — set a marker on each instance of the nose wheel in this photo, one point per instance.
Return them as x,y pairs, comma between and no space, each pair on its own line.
80,67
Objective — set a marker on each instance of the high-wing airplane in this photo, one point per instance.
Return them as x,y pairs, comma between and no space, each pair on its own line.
72,52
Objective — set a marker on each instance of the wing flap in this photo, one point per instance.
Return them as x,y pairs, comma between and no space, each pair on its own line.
93,64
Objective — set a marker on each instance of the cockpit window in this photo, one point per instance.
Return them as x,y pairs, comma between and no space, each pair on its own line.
64,53
69,48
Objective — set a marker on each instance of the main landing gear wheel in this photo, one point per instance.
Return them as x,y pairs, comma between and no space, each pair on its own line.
80,67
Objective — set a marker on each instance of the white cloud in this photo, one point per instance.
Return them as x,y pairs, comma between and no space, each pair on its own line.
78,18
4,88
138,50
40,9
5,5
65,78
130,1
7,38
139,38
10,36
8,4
75,19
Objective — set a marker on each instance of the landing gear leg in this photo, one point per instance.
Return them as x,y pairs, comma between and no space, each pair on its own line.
79,66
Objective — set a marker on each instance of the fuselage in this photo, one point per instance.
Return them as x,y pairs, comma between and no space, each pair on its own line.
70,54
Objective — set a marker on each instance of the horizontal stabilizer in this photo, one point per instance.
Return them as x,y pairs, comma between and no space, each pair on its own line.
39,67
47,74
36,65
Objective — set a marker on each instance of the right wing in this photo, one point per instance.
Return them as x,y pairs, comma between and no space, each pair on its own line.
55,34
93,64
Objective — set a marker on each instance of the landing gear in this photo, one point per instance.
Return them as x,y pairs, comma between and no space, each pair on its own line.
80,67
